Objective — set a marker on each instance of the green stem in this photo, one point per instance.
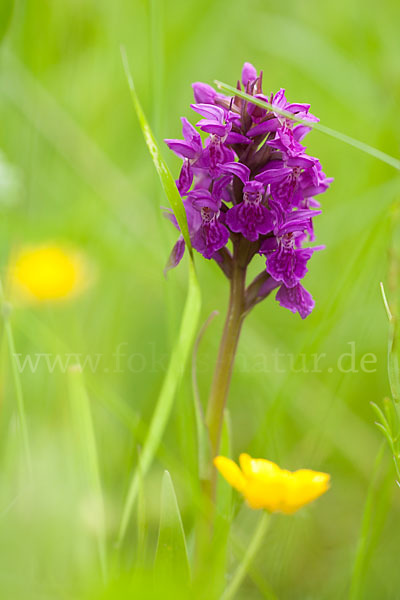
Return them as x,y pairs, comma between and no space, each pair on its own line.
88,455
248,558
6,308
227,352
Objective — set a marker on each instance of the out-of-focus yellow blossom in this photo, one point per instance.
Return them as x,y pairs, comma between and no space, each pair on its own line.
48,273
265,485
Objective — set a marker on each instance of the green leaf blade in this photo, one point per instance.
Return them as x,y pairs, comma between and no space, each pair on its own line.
88,453
167,181
188,327
342,137
171,551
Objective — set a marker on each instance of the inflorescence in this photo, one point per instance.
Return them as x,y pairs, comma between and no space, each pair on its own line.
250,181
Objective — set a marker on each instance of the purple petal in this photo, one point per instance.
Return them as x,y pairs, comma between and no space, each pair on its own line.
303,161
238,169
285,141
300,131
190,134
296,107
295,226
237,138
289,265
193,217
169,215
268,245
311,203
249,73
279,99
264,127
185,178
273,175
220,186
298,220
203,93
249,219
210,238
311,118
296,299
212,126
209,111
254,190
176,255
181,148
201,198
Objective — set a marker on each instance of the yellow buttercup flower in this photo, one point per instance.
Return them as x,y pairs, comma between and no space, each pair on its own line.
48,273
265,485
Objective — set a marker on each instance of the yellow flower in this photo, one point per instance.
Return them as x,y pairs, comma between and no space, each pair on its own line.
48,272
265,485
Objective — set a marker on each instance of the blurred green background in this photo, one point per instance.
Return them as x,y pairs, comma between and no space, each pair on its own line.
76,170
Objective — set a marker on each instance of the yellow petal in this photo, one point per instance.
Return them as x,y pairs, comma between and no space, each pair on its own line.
305,486
231,472
257,467
245,465
266,493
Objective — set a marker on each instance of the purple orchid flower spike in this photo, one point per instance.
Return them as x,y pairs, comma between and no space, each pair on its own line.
248,188
251,184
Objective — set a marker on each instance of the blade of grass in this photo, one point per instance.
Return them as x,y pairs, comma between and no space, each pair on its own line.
379,413
188,327
82,415
6,309
141,521
156,51
164,173
172,554
359,568
248,558
388,420
343,137
258,579
171,382
393,362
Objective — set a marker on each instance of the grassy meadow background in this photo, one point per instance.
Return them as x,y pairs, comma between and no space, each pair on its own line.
74,169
